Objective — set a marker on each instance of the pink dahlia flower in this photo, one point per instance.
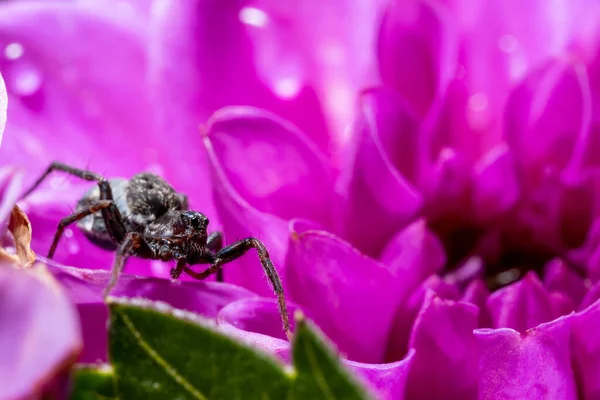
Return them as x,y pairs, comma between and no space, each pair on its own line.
447,241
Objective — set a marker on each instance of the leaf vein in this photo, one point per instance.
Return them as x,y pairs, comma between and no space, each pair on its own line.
172,372
321,381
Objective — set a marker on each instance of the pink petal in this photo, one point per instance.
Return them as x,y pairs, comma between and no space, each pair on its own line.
322,276
91,95
591,296
477,293
447,190
193,74
521,305
257,322
270,164
547,113
258,315
534,365
561,304
416,39
41,336
274,189
445,364
496,186
371,181
407,312
586,351
388,381
414,254
559,277
85,287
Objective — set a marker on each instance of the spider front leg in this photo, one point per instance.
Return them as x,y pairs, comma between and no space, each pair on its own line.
215,244
235,251
92,209
112,218
133,244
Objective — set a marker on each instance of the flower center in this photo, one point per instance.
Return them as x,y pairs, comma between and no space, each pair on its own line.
504,251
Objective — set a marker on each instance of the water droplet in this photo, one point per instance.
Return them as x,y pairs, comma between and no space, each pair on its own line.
13,51
287,88
23,77
508,43
254,17
68,233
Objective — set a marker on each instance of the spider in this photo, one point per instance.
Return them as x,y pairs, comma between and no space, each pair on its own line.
145,217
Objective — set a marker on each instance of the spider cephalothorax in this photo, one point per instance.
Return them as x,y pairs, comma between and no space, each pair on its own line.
145,217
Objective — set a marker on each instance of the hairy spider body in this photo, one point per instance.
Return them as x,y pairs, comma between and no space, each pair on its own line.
146,217
140,201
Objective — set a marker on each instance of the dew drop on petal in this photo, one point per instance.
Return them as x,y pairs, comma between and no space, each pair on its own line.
254,17
13,51
287,87
68,233
23,77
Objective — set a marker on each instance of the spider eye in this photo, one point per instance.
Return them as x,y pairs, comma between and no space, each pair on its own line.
194,219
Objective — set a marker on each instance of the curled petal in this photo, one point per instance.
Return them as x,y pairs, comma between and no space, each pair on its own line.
41,336
258,315
388,381
416,39
257,322
407,312
351,297
414,254
85,288
445,364
591,297
585,344
547,113
477,293
561,304
371,181
263,171
559,277
496,186
270,164
533,365
521,305
447,190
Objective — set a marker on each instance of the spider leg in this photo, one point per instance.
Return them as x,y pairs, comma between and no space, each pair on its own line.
238,249
92,209
111,215
215,244
176,272
132,244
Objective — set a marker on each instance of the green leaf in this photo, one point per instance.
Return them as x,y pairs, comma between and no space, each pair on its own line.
319,372
158,352
161,353
93,383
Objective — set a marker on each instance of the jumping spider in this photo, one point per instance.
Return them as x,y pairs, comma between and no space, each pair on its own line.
145,217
